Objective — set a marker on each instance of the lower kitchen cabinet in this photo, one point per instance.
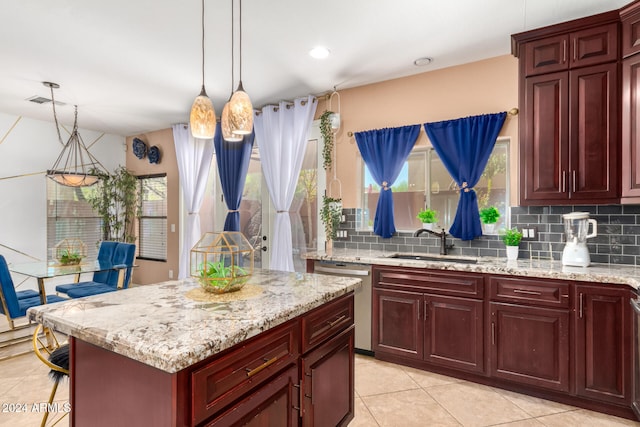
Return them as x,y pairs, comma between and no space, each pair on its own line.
327,383
530,345
438,329
603,342
562,340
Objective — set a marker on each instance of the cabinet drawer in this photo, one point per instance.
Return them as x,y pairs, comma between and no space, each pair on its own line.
454,283
326,321
220,383
532,291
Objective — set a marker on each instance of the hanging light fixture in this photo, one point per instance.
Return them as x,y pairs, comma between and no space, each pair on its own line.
203,116
75,166
225,125
240,108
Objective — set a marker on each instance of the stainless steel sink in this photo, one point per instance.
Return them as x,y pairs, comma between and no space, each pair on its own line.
420,257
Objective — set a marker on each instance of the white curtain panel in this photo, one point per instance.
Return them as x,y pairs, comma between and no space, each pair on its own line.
194,157
281,135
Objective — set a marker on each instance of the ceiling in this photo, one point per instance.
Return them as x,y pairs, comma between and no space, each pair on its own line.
135,66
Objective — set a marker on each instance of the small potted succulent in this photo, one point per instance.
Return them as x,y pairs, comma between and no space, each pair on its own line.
489,217
511,238
428,217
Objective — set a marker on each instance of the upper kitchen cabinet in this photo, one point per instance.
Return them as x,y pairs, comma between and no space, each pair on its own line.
569,102
630,16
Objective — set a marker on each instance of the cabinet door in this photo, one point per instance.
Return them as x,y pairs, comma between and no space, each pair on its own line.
594,133
398,327
546,55
594,46
630,136
454,332
274,404
630,29
530,345
327,383
544,153
603,343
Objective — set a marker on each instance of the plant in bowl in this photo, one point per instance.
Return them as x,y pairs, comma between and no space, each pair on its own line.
217,277
68,257
428,217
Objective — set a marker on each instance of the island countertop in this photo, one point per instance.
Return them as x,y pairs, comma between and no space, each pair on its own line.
171,325
600,273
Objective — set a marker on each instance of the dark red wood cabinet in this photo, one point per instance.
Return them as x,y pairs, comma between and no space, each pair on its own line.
430,317
300,373
630,103
530,332
569,102
603,341
561,340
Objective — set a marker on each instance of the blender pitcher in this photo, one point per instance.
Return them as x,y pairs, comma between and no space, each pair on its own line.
576,233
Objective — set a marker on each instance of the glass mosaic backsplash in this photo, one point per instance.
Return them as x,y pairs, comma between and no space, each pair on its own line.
618,240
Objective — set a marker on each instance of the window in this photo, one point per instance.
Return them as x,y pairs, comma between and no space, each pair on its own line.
70,216
152,221
424,170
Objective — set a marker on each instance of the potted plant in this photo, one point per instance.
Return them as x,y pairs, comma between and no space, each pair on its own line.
428,217
331,214
489,216
115,199
511,238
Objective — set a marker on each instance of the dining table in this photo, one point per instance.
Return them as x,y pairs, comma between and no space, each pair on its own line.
43,270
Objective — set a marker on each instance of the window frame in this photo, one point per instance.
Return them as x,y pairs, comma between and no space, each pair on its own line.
139,226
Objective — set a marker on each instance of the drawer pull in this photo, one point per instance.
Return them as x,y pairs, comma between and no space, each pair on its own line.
252,372
522,291
338,320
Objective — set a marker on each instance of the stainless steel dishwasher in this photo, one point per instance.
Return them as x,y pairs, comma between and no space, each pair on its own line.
362,297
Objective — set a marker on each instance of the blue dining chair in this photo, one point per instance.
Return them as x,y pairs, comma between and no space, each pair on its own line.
120,256
15,304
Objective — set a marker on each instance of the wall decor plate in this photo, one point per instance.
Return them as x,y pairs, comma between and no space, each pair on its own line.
139,148
154,154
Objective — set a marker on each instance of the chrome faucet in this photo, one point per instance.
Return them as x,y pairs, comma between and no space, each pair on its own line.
443,239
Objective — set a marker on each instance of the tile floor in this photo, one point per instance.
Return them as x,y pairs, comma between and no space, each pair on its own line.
386,395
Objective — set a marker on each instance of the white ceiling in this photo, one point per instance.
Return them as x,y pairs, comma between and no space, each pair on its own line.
135,65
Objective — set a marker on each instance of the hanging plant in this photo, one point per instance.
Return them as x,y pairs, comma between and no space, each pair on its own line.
327,136
330,214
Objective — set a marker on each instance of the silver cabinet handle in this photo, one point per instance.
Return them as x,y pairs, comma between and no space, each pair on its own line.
493,333
574,180
523,291
564,181
564,51
580,315
341,271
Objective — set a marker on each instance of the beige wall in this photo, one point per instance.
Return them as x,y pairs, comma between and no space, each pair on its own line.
482,87
155,271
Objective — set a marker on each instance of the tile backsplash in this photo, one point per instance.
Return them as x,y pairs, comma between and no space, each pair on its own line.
618,240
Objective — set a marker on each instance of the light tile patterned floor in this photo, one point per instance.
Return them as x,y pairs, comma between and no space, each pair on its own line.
386,395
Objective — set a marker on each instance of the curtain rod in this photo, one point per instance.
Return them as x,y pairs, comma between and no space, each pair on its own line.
512,112
289,105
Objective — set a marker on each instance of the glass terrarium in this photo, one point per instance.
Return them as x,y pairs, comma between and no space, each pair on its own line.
222,261
70,251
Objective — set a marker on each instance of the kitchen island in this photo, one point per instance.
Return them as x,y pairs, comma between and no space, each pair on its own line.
170,354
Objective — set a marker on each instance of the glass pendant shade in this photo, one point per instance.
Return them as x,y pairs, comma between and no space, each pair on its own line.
227,134
73,179
203,117
240,112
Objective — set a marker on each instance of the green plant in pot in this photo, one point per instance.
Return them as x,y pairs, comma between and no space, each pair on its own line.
428,217
489,216
68,257
511,238
331,214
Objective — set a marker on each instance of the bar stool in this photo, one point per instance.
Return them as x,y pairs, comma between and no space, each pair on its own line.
56,357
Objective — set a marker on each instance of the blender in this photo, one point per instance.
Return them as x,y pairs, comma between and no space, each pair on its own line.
576,233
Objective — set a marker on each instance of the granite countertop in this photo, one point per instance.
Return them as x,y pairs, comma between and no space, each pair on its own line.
601,273
170,327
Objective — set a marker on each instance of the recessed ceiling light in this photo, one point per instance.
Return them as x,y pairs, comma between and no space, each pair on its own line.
319,52
421,62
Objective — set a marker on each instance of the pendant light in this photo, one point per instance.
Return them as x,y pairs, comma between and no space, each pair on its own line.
75,166
240,108
203,116
225,125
